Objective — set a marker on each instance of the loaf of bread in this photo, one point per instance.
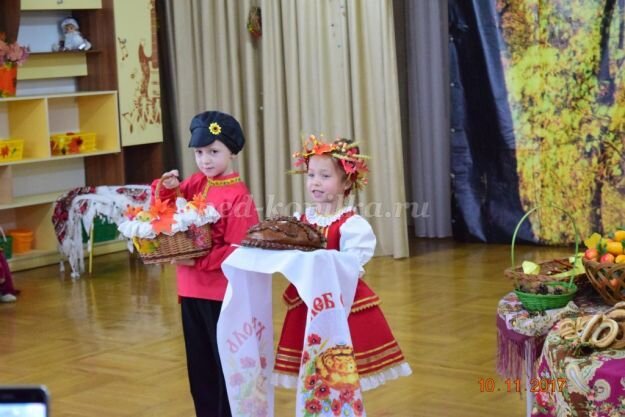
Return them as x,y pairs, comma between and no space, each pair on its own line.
284,233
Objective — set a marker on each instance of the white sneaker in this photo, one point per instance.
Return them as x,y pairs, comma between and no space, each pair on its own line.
7,298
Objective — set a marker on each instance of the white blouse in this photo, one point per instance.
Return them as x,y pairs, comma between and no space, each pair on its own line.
357,236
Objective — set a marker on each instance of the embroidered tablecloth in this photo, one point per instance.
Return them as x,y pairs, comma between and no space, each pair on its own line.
579,384
520,334
328,381
77,208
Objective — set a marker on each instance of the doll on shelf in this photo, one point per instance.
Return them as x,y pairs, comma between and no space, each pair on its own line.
72,38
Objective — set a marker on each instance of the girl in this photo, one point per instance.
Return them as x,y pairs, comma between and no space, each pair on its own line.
333,171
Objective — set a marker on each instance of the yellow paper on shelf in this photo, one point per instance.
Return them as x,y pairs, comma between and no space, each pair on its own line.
11,149
72,143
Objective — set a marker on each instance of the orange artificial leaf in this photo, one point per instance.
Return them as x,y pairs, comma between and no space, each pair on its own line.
163,224
132,211
321,148
161,208
199,202
163,215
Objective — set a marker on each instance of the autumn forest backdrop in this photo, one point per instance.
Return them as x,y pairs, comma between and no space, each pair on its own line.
553,111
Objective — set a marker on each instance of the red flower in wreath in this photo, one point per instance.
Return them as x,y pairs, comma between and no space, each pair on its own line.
336,407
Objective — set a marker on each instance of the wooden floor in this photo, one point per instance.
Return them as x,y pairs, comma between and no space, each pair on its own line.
110,344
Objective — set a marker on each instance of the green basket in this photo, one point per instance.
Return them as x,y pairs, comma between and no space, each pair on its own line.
541,302
6,244
103,230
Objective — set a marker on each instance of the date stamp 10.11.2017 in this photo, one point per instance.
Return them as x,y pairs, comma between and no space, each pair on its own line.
518,385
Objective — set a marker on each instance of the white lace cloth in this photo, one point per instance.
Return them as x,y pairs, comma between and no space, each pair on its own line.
245,330
357,236
186,216
106,202
321,220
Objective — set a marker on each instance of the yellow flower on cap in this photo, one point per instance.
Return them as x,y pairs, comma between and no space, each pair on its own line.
214,128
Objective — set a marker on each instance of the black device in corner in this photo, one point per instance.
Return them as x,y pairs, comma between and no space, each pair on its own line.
24,401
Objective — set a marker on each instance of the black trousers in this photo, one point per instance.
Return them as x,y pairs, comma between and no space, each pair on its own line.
206,378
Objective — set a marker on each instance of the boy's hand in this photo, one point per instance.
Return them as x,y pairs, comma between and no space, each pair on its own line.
185,262
170,179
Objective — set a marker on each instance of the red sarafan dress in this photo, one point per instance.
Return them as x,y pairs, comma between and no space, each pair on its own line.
378,355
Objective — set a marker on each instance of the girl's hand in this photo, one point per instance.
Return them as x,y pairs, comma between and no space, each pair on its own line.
170,179
185,262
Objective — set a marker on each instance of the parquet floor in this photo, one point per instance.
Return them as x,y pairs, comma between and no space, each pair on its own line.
110,344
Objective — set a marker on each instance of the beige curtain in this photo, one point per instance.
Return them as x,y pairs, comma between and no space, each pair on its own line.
328,67
216,66
422,38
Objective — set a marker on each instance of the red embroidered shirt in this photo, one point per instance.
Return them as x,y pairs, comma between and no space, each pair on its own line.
232,200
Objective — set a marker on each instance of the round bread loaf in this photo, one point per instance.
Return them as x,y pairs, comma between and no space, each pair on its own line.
284,233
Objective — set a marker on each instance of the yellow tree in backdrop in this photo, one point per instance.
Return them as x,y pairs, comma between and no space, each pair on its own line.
566,92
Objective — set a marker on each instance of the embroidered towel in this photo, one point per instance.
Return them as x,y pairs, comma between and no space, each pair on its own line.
326,280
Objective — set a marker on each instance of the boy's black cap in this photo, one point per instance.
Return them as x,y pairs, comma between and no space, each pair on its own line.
214,125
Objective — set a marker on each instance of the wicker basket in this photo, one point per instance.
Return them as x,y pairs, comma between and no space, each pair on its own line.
547,271
540,302
193,243
608,279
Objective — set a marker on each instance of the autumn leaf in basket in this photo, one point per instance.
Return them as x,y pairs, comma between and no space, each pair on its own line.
198,203
161,208
163,224
592,241
163,216
530,268
132,211
145,245
606,249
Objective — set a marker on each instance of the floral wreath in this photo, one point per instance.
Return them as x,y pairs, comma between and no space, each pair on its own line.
354,164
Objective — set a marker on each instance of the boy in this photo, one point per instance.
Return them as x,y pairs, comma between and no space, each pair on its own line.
216,139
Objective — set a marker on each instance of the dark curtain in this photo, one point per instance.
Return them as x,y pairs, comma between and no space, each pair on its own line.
170,157
485,200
